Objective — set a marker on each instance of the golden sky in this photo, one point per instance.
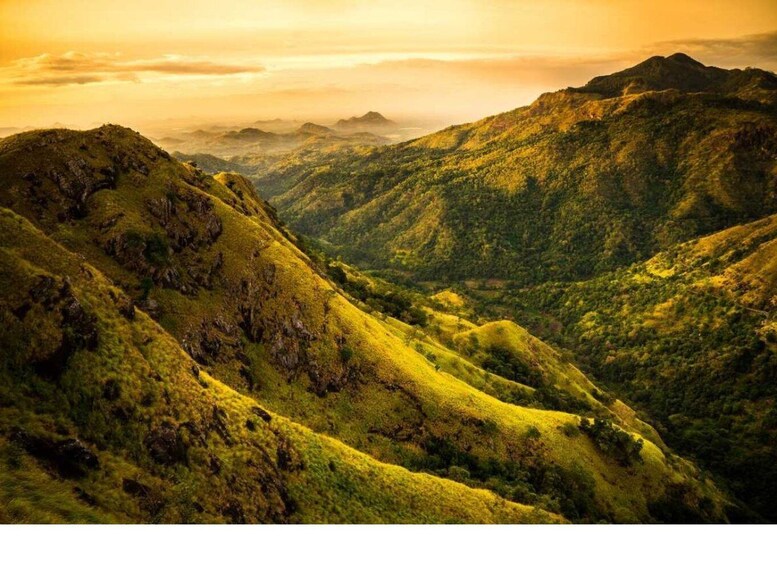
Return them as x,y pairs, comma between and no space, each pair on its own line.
134,62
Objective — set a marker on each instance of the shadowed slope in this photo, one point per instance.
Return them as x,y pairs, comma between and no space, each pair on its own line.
690,336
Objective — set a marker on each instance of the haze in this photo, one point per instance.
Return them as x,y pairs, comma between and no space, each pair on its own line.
166,61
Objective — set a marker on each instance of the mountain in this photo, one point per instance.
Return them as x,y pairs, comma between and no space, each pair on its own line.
249,134
209,163
106,419
580,182
309,144
259,149
5,131
309,128
368,122
173,354
682,73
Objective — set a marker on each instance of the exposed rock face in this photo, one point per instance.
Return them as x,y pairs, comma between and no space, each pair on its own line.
263,414
187,218
173,258
77,181
219,425
212,341
292,343
69,457
77,327
165,445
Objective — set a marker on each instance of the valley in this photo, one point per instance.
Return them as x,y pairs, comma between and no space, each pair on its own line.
181,317
561,313
577,217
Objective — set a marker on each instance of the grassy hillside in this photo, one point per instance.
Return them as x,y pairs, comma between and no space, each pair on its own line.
104,418
207,259
580,182
690,336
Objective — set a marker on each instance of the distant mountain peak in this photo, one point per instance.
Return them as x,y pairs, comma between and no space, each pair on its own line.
678,71
248,134
370,119
310,128
683,58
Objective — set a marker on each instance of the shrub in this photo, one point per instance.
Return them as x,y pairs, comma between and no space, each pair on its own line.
156,250
346,353
612,440
604,397
459,474
337,274
533,433
501,361
570,430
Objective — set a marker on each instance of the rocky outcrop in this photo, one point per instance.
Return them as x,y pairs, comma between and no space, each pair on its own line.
165,445
212,341
77,328
69,457
187,218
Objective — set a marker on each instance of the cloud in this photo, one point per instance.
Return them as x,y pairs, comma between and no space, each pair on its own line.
59,81
73,68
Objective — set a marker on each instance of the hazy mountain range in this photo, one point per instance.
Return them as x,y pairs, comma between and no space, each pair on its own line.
177,352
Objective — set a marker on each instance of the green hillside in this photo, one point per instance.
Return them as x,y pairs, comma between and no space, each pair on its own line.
690,336
580,182
229,286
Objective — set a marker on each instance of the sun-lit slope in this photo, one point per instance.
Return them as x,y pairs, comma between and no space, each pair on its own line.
506,362
749,255
538,363
204,258
580,182
105,418
691,337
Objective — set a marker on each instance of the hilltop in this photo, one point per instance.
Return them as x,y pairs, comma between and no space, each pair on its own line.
177,317
367,122
682,73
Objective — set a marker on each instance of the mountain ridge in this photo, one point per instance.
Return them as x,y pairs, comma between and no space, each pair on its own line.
679,72
597,173
207,259
547,209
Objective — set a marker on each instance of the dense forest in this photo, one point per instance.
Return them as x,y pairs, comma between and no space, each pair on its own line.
690,337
